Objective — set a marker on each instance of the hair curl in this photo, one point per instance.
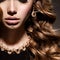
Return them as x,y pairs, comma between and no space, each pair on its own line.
45,43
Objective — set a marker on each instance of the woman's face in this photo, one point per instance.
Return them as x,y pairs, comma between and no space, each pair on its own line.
15,12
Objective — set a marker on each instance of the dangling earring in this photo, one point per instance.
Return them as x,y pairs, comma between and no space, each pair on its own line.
33,13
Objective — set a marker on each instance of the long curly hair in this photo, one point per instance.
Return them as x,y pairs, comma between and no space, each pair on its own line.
45,43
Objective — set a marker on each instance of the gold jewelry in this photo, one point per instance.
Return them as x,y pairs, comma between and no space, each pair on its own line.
16,48
33,13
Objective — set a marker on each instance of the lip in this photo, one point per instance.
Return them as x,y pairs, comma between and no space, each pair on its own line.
12,20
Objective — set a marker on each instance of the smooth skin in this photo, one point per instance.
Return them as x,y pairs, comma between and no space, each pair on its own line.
13,19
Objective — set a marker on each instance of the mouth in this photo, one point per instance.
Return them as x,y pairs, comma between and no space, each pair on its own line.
12,22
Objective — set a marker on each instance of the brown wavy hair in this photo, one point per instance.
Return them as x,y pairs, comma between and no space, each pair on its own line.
45,43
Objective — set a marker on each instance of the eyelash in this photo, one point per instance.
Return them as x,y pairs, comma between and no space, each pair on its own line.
23,1
2,1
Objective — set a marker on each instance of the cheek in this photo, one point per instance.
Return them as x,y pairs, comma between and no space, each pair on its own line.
24,11
1,14
3,9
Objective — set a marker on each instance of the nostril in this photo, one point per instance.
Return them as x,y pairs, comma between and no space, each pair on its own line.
12,13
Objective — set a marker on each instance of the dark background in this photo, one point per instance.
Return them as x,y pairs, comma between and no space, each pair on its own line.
56,4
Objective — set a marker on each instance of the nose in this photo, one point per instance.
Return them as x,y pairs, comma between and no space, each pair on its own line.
12,13
11,8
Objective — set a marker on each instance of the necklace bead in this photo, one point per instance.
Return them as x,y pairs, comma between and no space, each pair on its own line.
16,49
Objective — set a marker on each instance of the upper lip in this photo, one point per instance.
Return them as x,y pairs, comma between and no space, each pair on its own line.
11,18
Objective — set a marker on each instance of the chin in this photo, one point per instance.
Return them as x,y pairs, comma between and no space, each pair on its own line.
12,26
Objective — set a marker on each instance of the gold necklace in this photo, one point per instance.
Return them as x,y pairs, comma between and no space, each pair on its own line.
16,48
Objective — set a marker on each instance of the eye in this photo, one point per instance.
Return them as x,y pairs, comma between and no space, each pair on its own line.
2,1
23,1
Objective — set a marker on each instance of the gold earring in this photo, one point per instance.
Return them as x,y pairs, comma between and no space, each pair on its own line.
33,13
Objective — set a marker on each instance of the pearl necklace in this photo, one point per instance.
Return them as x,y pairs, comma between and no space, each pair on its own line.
21,46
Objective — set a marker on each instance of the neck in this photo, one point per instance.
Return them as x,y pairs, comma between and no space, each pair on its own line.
12,36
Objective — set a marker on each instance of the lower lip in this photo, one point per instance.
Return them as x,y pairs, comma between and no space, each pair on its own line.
12,24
